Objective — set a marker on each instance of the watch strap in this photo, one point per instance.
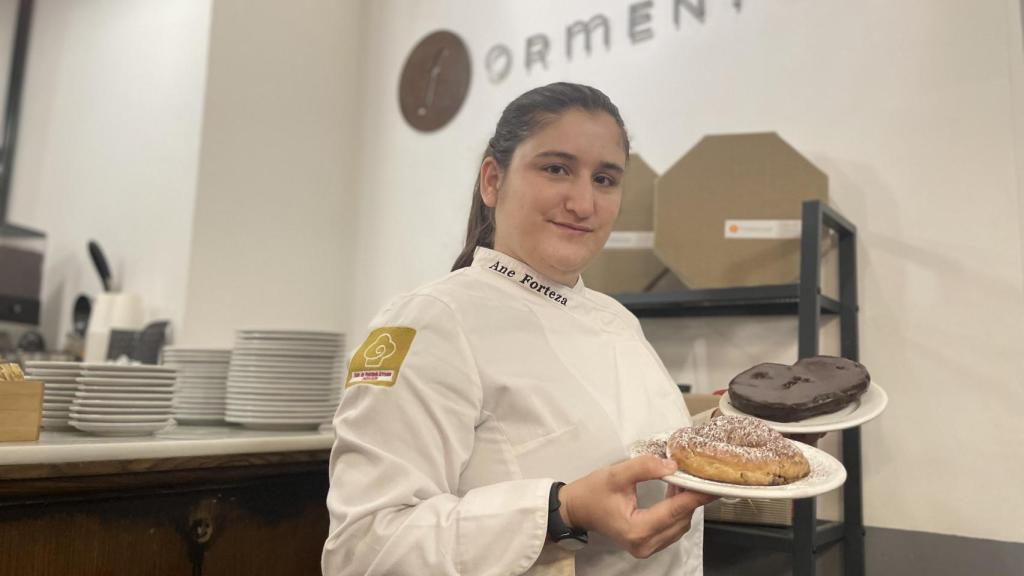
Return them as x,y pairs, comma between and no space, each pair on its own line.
558,531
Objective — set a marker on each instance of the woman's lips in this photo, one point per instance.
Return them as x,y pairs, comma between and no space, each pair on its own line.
575,228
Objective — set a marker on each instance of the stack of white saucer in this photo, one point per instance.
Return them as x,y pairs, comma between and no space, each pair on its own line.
123,400
284,379
59,387
202,383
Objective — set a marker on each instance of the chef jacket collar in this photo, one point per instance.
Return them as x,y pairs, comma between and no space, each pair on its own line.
526,278
574,300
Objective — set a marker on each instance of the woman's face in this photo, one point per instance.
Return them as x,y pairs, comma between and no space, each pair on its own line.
556,203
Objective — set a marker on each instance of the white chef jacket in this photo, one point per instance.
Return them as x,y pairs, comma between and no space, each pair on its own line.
511,382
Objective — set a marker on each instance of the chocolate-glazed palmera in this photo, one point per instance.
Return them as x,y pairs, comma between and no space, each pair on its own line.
811,387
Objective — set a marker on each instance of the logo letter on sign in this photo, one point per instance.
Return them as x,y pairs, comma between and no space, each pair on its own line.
380,357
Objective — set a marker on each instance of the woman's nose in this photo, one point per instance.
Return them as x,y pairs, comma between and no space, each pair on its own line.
580,199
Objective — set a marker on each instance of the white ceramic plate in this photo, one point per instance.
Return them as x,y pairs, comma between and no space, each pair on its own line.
200,409
242,395
120,418
122,428
322,387
299,394
826,475
193,385
47,374
204,408
154,376
58,395
49,365
188,402
868,406
196,349
264,346
260,424
193,375
271,334
162,383
104,367
289,410
124,396
56,424
120,390
116,410
199,419
285,365
89,402
278,356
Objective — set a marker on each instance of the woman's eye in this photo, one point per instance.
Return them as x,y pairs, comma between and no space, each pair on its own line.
556,169
604,180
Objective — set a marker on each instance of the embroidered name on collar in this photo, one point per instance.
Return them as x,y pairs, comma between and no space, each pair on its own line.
529,281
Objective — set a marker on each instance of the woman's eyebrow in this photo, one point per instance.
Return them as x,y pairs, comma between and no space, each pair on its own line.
609,166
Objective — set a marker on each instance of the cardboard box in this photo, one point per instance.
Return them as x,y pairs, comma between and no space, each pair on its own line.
21,410
628,263
750,511
727,211
698,403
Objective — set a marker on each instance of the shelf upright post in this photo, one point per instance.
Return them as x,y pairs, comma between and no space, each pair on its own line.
805,514
853,503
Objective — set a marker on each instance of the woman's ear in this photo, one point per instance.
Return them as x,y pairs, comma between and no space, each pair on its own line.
490,181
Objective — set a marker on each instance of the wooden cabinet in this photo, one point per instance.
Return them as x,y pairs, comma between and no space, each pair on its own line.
239,514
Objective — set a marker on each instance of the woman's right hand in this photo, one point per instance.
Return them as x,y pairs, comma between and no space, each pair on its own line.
605,501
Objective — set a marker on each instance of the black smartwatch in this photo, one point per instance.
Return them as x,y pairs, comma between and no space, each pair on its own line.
558,532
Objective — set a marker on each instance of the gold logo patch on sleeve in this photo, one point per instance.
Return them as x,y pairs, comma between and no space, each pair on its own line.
377,361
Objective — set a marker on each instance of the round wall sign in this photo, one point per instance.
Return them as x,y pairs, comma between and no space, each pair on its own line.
435,81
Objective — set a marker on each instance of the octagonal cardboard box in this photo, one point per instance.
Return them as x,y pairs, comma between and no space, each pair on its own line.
727,211
627,264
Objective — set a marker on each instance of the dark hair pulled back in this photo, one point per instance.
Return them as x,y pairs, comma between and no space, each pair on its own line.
521,119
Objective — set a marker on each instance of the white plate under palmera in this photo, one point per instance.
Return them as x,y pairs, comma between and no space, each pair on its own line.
826,475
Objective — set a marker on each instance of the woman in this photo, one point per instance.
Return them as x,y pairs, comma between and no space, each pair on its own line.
476,396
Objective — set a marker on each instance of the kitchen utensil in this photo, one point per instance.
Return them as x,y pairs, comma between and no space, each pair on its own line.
100,261
80,315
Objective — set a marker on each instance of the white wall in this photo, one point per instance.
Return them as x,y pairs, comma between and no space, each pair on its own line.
271,245
109,145
908,107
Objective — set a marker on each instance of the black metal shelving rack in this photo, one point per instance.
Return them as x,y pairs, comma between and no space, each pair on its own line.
808,536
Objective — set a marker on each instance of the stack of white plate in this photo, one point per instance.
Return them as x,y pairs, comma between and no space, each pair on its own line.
284,379
59,387
123,400
202,383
